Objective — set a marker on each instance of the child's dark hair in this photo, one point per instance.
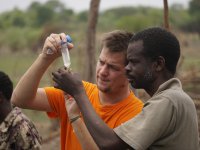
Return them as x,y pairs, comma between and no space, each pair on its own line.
6,85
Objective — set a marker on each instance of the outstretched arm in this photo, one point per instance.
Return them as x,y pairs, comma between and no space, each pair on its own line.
27,94
78,125
103,136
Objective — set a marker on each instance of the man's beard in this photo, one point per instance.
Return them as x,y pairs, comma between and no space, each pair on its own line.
144,81
148,76
104,90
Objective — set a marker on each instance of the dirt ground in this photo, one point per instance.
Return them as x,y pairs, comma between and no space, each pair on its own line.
50,136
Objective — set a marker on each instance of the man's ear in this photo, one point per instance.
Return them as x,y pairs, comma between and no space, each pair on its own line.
159,63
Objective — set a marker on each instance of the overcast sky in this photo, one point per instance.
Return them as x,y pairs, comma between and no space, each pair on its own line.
79,5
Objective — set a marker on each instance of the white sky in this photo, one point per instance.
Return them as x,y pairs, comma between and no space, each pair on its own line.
79,5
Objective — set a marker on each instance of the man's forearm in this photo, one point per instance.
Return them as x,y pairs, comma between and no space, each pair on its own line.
84,136
104,136
29,82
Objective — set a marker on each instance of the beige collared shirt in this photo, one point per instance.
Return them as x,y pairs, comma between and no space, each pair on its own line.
168,121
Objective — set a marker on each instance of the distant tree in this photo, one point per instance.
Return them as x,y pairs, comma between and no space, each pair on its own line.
194,7
42,14
131,19
180,15
49,12
91,37
194,10
194,24
15,18
83,16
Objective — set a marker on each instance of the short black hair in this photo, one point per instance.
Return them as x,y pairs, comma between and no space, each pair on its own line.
6,85
160,42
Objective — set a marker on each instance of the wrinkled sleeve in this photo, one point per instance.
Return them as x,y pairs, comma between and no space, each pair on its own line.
26,135
56,101
155,120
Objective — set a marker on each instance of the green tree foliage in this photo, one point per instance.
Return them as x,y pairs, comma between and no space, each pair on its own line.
28,29
83,16
24,29
194,9
131,18
40,13
139,20
15,18
178,15
51,11
192,23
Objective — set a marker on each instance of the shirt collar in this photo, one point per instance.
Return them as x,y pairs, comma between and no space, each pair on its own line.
173,83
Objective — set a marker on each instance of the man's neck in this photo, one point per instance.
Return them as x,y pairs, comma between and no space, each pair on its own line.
112,98
160,80
5,110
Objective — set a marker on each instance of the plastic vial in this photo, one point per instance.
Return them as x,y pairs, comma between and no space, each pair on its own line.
65,54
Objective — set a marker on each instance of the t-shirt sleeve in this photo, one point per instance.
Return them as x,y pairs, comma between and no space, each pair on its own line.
156,120
56,101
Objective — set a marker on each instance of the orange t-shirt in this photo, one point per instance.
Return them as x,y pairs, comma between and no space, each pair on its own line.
112,115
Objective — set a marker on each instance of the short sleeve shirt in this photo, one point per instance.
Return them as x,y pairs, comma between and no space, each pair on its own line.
168,121
113,115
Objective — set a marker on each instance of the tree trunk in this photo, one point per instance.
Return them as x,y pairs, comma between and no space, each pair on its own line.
90,41
166,19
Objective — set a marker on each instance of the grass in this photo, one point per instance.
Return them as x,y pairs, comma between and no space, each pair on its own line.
15,64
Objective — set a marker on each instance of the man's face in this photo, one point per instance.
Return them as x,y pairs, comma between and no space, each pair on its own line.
139,69
110,71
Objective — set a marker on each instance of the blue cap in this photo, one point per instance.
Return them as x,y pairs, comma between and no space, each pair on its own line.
69,39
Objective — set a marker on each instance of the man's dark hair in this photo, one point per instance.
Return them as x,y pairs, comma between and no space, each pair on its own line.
117,41
160,42
6,85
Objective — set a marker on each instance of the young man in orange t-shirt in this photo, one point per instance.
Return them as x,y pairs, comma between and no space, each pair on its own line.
111,96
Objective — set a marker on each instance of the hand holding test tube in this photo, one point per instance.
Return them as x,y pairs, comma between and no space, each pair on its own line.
64,51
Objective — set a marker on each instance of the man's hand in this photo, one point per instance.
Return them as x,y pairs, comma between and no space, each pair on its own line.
71,106
68,82
52,45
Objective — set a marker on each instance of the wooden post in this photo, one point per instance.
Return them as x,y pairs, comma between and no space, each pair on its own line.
166,19
91,37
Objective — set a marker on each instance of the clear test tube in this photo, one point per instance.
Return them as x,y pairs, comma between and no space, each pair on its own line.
65,54
64,51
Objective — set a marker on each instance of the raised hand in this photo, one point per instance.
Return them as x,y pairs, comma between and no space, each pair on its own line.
68,81
52,45
71,106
